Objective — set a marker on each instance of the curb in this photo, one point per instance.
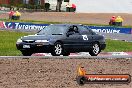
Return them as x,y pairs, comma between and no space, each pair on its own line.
87,54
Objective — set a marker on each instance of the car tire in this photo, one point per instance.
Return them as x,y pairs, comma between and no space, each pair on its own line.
57,49
26,53
95,49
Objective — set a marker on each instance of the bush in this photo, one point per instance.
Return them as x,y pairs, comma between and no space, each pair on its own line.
19,6
5,5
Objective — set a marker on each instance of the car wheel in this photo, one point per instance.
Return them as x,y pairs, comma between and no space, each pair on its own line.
26,53
57,49
95,50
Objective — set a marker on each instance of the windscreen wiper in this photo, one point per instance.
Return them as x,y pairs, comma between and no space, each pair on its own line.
56,34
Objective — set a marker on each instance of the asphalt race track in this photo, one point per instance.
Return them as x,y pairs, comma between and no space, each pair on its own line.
119,36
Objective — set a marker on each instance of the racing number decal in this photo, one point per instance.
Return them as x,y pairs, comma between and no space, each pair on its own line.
85,37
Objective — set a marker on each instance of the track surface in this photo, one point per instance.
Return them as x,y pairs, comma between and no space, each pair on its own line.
58,73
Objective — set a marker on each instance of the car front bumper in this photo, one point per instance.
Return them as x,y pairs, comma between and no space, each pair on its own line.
35,47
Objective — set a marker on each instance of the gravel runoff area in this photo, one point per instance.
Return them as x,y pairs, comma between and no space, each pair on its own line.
58,73
87,18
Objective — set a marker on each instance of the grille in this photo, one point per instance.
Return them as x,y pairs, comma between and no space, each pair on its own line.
27,41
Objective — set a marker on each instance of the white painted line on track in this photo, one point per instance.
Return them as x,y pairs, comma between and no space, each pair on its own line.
68,57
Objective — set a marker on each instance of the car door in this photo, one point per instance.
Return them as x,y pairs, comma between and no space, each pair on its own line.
72,41
86,38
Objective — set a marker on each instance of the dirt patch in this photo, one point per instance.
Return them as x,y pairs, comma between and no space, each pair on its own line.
87,18
58,73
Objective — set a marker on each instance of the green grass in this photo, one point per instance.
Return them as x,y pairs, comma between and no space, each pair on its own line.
9,38
31,21
8,42
117,46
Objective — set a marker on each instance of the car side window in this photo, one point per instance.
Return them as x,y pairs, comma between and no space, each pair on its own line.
73,29
70,29
83,30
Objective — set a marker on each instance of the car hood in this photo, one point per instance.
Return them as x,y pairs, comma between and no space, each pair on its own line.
36,37
42,37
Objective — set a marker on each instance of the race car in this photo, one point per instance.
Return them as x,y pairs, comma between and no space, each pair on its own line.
62,39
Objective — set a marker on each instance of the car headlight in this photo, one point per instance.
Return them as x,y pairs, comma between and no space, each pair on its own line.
19,41
43,41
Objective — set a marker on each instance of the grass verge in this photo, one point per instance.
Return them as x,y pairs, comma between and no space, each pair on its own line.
8,42
118,46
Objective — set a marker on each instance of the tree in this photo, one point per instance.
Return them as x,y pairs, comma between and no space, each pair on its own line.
16,3
58,7
12,2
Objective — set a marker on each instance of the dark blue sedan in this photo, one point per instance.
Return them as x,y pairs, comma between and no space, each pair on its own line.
62,39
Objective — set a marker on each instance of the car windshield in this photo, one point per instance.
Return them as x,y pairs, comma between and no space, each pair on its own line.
53,30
